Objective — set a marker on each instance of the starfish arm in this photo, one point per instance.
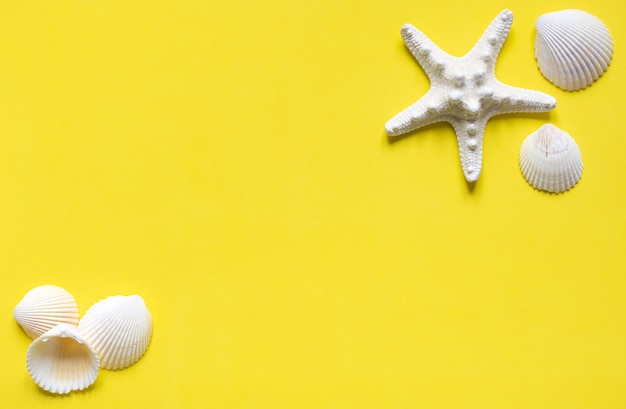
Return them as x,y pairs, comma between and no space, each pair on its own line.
518,100
424,112
428,55
465,92
490,43
469,136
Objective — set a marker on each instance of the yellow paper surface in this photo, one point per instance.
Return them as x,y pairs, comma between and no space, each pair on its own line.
227,161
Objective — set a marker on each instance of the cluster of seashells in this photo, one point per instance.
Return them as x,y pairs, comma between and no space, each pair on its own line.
66,354
573,48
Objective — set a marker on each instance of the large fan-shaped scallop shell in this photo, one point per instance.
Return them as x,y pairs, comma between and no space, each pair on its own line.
573,48
550,159
119,328
44,307
61,361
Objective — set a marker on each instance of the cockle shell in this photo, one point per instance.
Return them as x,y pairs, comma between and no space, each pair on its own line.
61,361
550,159
573,48
44,307
119,328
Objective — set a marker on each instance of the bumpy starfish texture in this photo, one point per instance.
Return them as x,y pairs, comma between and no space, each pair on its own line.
465,92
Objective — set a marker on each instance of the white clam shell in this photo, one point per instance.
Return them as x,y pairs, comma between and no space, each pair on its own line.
573,48
119,328
61,361
550,159
44,307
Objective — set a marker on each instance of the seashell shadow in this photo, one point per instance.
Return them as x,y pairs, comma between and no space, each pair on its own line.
21,330
61,396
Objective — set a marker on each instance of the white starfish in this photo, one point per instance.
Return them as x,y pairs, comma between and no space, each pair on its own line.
465,92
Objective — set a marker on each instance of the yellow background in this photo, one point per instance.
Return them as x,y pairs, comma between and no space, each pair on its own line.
228,162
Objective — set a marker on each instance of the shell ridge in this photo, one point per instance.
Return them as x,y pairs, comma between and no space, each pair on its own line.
44,307
61,361
550,160
568,63
573,48
118,327
592,46
558,69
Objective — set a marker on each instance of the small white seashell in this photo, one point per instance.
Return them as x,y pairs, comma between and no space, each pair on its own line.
61,361
573,48
44,307
119,328
550,159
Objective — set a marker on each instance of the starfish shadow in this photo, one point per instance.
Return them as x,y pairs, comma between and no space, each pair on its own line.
438,125
543,116
433,126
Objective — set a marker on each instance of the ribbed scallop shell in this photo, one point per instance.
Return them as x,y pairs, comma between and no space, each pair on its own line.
550,159
573,48
44,307
119,328
61,361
